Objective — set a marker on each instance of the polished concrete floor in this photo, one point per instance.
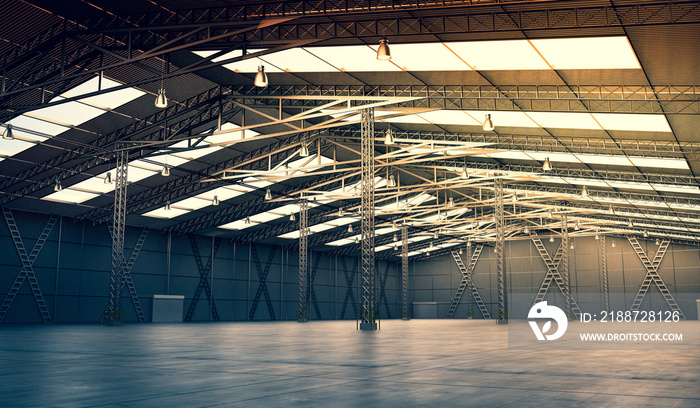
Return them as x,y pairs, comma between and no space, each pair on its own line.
420,363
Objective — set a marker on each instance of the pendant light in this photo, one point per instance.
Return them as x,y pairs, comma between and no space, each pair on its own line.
613,244
657,242
549,213
268,195
292,217
630,224
341,212
428,253
350,231
261,77
392,181
167,206
597,237
451,202
57,187
469,243
584,192
396,238
547,166
7,134
465,174
108,178
389,137
577,226
488,123
165,171
572,245
304,150
247,221
394,225
215,201
383,53
646,234
551,239
610,210
461,251
527,231
161,100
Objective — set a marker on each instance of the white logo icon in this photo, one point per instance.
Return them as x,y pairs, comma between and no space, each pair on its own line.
543,311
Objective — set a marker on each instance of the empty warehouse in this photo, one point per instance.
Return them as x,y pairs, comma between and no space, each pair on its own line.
350,203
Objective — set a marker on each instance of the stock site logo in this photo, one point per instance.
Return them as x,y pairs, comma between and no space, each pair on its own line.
543,311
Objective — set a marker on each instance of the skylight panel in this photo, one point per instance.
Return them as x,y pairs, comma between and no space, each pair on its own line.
166,214
564,120
338,222
340,242
298,60
248,65
11,147
222,193
137,174
426,57
96,184
413,118
192,203
286,209
499,55
69,114
238,225
588,53
503,118
383,248
264,217
353,58
71,196
449,117
635,122
44,128
665,163
108,100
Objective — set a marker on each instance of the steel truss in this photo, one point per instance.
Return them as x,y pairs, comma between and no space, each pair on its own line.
126,275
367,220
604,272
262,285
564,263
652,276
303,312
404,273
203,285
113,309
467,284
312,291
502,313
27,270
382,292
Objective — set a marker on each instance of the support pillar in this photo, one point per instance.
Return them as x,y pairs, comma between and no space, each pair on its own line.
404,272
303,312
564,270
368,314
502,313
114,312
604,272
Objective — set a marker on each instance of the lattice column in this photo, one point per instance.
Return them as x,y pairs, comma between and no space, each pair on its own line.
303,312
470,296
404,271
604,267
564,271
367,215
502,314
114,312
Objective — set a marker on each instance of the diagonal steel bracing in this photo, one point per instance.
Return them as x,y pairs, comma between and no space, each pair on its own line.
652,276
553,274
467,283
349,279
262,285
203,285
312,277
604,271
382,292
126,272
27,271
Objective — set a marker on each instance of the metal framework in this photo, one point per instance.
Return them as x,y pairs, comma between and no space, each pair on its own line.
118,230
312,278
467,284
126,275
404,273
502,313
652,276
382,292
367,218
27,270
303,312
564,263
604,271
262,285
349,280
203,285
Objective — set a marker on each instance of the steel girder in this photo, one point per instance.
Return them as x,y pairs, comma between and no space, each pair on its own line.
303,311
118,230
367,219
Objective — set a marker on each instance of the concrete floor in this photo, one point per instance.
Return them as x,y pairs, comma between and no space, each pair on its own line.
421,363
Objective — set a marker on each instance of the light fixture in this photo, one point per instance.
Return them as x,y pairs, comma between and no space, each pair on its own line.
261,77
57,186
646,234
435,235
465,174
597,237
389,137
515,198
469,243
451,202
549,213
610,210
613,244
292,217
547,166
571,246
488,123
268,195
247,221
167,206
7,134
427,253
161,100
165,171
584,192
461,251
383,52
350,228
304,150
431,245
396,247
357,240
551,239
215,201
108,178
495,250
577,226
657,242
527,230
395,238
394,225
630,224
392,181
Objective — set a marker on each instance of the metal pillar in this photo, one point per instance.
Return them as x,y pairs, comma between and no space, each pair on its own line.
604,267
564,270
404,272
502,313
114,312
367,318
470,296
303,312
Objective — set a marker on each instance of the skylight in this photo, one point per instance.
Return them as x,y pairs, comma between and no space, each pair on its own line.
588,53
499,55
422,57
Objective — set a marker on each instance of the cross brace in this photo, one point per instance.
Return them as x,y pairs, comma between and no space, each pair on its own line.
349,279
312,292
467,282
203,279
262,286
126,272
382,292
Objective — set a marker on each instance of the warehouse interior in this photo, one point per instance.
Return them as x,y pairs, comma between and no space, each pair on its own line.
345,202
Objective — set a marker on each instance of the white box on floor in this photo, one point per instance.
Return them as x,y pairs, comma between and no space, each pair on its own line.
167,308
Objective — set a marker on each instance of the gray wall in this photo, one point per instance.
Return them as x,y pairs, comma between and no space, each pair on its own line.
73,267
436,279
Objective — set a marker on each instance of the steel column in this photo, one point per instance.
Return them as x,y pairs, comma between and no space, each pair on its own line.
126,275
303,312
564,270
367,318
604,272
502,313
114,312
404,272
